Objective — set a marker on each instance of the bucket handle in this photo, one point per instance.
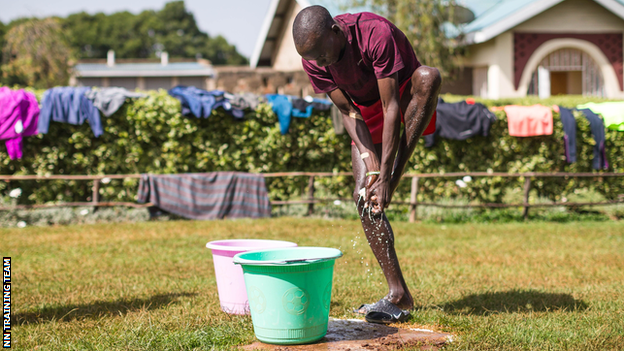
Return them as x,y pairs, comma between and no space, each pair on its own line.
295,260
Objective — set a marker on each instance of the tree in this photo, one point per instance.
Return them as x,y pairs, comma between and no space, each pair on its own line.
3,30
36,53
426,23
172,29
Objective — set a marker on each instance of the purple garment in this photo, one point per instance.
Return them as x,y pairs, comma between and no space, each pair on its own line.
375,49
19,115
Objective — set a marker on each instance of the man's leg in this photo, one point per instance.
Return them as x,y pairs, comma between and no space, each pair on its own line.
380,238
417,107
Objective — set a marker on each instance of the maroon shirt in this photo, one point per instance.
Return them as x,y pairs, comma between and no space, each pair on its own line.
375,49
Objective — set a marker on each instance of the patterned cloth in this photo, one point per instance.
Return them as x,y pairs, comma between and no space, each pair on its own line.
215,195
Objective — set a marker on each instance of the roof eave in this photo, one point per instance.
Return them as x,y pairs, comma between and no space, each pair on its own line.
613,6
264,31
266,26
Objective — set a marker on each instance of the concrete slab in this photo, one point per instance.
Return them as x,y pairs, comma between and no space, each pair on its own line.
357,335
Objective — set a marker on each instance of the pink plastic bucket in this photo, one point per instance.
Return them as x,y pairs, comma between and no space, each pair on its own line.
230,281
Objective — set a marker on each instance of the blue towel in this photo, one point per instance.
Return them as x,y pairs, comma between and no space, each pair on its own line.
68,105
200,103
286,107
283,109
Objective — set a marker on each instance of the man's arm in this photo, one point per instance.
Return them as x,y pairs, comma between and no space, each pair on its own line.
357,129
389,94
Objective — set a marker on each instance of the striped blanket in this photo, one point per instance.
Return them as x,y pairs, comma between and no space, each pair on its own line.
215,195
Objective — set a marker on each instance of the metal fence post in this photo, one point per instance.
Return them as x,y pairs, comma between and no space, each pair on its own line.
311,195
527,189
413,199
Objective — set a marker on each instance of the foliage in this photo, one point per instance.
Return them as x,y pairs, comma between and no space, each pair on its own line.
3,29
425,23
37,53
150,135
172,29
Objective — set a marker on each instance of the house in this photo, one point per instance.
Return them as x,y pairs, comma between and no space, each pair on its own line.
515,47
547,47
145,74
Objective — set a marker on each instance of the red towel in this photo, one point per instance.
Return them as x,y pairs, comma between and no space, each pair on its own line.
525,121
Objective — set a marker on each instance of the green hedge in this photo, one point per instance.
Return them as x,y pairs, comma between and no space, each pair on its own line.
150,135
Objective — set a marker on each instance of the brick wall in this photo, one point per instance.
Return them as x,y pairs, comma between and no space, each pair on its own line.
263,81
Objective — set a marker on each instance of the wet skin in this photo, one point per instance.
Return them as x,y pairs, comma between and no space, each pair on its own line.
417,104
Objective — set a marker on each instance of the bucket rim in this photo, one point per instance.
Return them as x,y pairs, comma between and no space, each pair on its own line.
242,261
218,244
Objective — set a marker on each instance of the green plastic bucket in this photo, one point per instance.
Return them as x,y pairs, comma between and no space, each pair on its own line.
289,292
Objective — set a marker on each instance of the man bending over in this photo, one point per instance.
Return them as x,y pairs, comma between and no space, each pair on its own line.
369,70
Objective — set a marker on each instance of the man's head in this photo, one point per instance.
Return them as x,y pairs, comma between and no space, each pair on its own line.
317,37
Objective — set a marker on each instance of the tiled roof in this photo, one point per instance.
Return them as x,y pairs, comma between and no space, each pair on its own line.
180,69
496,16
495,13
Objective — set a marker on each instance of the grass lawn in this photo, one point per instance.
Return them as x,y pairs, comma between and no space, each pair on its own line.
151,286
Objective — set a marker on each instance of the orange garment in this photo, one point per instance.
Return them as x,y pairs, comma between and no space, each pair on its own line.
525,121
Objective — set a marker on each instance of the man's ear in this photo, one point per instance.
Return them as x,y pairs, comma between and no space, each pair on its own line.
336,28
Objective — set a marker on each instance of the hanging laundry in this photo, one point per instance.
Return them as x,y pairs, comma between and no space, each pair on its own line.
19,116
319,104
69,105
460,121
336,117
569,130
200,103
245,100
526,121
304,104
598,132
109,100
301,108
612,112
286,106
215,195
283,109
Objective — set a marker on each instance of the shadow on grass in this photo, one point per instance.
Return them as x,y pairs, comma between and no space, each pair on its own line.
513,301
96,309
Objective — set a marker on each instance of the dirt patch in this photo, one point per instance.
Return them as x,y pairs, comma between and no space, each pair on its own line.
357,335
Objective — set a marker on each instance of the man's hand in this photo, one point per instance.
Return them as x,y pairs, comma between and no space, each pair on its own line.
378,196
